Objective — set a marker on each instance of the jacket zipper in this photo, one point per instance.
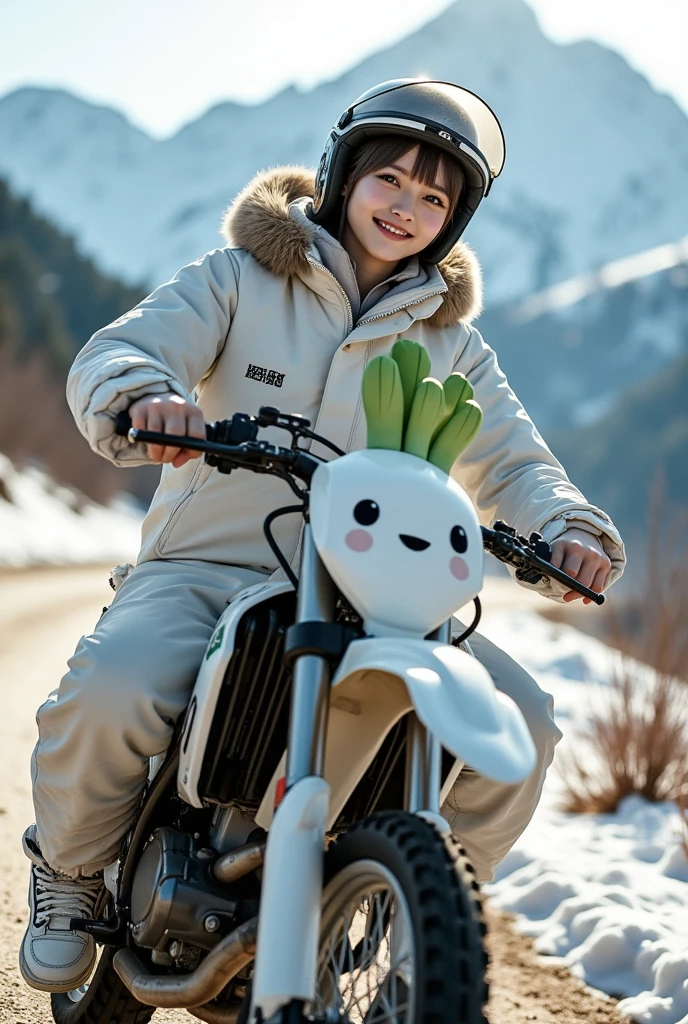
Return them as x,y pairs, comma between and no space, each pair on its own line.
398,309
380,316
350,312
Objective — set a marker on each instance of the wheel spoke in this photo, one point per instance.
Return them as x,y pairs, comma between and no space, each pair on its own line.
363,977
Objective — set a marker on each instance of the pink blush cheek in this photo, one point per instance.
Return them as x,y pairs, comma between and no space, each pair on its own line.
358,540
459,568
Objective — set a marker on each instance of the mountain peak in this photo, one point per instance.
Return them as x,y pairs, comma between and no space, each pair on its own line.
577,190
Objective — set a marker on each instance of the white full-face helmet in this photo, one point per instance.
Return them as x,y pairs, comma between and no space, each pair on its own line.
446,115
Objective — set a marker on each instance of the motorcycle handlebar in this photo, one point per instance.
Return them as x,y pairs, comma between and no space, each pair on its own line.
525,554
219,451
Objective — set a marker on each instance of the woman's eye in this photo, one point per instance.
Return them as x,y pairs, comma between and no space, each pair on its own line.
366,512
435,200
388,177
459,540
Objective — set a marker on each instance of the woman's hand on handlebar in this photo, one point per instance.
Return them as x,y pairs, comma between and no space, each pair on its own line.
169,414
582,556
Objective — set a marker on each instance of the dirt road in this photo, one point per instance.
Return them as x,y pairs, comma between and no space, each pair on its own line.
42,614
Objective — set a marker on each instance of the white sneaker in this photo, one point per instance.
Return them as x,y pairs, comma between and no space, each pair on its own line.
52,957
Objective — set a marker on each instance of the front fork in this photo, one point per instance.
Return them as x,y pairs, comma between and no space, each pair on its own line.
291,891
286,962
423,790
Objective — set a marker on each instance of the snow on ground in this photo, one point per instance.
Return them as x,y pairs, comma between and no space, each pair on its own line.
608,893
42,523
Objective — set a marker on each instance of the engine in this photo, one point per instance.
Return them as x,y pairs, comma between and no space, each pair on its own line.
176,899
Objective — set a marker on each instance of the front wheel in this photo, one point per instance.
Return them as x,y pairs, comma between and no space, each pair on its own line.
401,938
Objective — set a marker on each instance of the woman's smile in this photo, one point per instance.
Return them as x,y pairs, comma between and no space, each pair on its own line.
391,230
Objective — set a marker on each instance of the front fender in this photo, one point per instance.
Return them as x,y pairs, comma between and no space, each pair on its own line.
454,696
379,680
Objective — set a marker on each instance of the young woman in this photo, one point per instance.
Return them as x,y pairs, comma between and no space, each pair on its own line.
318,276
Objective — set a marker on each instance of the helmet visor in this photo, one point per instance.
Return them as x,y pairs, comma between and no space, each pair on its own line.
490,138
445,106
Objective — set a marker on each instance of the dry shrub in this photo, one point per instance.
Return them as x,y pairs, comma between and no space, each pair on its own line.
652,625
637,743
646,616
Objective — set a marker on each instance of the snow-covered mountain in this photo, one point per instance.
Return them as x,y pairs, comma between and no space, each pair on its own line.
571,350
596,165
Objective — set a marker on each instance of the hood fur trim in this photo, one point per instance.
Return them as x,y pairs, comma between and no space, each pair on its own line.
259,222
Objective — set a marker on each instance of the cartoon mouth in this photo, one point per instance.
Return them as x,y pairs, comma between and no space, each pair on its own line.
414,543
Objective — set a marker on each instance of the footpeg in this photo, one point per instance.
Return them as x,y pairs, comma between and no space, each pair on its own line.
109,931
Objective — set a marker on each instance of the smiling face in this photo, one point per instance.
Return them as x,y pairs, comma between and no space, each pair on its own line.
392,214
399,537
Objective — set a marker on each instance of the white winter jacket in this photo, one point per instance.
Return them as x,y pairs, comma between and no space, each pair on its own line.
263,322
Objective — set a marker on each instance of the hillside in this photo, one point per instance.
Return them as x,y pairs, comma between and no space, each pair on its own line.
52,299
569,351
618,460
577,191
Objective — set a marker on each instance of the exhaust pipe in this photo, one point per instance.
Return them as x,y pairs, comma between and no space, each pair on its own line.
239,862
235,951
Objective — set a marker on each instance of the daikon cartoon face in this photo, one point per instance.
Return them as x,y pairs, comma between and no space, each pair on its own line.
399,537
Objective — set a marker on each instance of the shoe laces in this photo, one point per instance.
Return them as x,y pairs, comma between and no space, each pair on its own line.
58,895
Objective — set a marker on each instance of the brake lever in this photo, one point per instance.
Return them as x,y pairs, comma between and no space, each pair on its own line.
527,555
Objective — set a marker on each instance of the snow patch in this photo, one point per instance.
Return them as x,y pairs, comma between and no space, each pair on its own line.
43,523
605,893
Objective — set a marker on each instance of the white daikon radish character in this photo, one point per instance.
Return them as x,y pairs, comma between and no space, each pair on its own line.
398,535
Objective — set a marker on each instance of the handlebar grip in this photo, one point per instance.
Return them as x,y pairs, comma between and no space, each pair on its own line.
123,424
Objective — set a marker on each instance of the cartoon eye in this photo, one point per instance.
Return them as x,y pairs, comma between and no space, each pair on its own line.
367,512
458,538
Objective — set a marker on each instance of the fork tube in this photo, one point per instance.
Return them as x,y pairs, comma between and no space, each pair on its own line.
424,754
442,633
311,681
423,767
433,760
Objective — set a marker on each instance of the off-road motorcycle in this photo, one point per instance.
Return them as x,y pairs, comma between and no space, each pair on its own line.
289,861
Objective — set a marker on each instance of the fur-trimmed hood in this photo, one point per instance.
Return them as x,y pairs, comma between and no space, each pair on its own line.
260,222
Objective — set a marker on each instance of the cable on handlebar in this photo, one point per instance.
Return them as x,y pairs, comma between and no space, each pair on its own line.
473,626
277,552
323,441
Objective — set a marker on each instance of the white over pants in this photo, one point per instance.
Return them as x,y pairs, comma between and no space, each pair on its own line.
130,680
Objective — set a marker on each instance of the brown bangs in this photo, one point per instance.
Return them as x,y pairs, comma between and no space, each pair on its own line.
378,153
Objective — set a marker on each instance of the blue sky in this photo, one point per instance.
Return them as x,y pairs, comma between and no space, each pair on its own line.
164,62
